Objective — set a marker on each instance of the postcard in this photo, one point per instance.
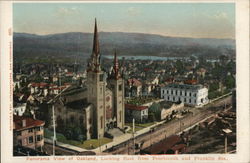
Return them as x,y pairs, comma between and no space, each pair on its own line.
125,81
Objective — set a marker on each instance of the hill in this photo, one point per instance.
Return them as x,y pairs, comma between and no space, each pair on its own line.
68,45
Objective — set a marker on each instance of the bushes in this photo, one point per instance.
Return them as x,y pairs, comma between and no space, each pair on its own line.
155,112
74,133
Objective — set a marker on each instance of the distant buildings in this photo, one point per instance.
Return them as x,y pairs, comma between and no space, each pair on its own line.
188,94
28,132
170,145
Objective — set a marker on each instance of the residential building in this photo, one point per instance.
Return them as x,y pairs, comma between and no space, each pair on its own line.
188,94
28,132
19,108
139,113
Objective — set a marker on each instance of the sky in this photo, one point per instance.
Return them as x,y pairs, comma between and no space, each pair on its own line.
197,20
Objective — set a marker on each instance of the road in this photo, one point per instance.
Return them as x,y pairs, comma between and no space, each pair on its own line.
173,127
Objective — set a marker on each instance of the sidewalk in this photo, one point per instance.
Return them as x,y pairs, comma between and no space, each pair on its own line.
67,146
124,138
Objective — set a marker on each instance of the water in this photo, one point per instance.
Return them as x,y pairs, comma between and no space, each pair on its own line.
154,58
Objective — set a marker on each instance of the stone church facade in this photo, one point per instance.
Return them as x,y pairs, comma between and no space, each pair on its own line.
99,107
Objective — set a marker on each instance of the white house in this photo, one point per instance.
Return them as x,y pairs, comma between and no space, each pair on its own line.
19,109
188,94
139,113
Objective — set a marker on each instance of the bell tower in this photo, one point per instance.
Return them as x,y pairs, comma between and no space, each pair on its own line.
117,87
96,86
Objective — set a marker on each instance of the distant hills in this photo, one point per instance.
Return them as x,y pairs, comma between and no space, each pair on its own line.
72,44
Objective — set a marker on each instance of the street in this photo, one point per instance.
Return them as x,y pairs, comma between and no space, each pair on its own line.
173,127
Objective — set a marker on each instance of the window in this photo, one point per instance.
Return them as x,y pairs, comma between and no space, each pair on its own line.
181,93
194,94
120,87
90,120
30,130
19,141
163,91
71,119
173,98
101,119
168,97
38,129
189,100
185,93
167,91
101,77
100,89
81,120
38,137
190,94
171,92
30,139
184,99
18,133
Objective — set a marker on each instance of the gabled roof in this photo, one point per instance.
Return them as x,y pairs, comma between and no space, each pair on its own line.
134,107
30,122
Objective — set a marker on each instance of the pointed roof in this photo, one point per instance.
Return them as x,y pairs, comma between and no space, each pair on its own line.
94,62
115,72
96,48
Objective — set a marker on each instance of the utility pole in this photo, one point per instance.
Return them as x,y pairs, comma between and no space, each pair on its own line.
99,144
225,143
134,135
150,140
54,128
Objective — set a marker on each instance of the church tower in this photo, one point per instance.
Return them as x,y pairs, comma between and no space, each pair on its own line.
117,86
96,86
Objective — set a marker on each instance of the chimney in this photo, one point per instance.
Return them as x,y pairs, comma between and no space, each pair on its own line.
24,122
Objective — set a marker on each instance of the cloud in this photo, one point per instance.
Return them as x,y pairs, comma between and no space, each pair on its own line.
133,11
62,11
221,15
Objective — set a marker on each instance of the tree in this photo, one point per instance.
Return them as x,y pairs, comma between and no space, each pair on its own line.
230,82
155,110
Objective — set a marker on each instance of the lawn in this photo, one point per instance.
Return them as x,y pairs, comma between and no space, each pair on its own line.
94,143
139,126
88,144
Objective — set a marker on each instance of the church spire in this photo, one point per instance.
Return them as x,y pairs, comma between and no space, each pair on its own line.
115,72
96,49
94,64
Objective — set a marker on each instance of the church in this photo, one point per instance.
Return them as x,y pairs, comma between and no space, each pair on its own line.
99,105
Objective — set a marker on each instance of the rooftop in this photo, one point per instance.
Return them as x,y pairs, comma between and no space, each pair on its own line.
21,123
134,107
78,104
184,86
164,145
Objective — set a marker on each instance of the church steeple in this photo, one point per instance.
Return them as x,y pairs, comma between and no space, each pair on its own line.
94,64
96,48
115,72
